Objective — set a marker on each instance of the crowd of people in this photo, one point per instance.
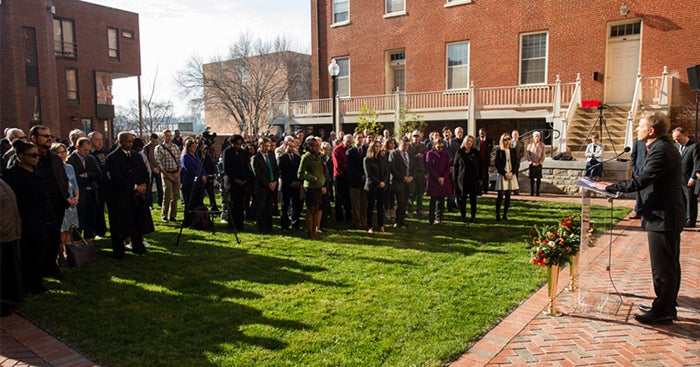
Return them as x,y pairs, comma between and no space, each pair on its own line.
52,191
370,180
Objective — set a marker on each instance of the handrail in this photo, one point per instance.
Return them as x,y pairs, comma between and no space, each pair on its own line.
471,99
574,102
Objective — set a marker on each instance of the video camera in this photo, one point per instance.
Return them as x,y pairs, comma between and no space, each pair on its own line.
600,107
208,137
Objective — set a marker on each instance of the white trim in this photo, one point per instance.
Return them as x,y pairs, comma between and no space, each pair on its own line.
450,4
520,57
340,24
395,14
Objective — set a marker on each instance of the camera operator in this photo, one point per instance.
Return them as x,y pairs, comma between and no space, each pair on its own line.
206,153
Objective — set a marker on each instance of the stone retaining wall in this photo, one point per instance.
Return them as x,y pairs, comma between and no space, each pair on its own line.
558,177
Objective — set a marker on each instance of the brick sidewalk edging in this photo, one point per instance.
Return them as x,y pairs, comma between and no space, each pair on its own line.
24,344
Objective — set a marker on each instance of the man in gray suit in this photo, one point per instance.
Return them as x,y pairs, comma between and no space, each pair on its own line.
663,214
690,174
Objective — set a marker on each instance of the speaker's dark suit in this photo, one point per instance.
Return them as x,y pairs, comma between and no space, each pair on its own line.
690,163
126,207
663,216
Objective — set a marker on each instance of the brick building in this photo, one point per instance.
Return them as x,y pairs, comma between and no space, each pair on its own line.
238,92
58,60
511,64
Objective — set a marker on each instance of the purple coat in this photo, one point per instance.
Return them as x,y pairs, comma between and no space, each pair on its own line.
438,165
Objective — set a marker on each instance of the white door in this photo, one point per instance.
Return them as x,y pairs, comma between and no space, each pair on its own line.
622,67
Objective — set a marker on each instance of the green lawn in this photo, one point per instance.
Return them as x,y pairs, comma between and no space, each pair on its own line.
414,297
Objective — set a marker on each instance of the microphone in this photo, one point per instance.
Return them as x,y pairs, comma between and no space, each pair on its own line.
615,158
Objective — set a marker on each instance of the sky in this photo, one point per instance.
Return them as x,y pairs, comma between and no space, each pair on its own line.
171,31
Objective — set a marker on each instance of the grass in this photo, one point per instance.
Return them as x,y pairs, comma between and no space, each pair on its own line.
415,297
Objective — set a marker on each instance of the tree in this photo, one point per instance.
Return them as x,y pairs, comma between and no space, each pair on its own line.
241,88
367,120
156,113
410,121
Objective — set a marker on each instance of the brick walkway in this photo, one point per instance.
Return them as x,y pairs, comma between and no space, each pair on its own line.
597,328
525,337
24,344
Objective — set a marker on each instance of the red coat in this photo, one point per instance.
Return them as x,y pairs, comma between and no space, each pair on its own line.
438,165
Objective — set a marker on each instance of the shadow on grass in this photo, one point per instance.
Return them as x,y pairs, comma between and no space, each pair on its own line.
169,305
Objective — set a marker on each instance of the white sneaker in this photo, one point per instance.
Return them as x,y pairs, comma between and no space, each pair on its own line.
128,246
98,237
146,244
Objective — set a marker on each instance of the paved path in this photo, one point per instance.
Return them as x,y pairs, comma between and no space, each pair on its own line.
525,337
597,327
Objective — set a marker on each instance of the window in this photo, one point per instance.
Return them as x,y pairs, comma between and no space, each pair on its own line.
72,85
394,6
625,29
343,78
458,65
243,74
64,38
31,75
341,11
533,58
86,124
113,43
128,34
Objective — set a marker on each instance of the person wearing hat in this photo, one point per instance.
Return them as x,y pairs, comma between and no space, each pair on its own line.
416,153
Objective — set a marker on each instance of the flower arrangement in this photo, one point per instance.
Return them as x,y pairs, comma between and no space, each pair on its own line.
555,245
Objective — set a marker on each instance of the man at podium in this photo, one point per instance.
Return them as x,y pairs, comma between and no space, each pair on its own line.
663,214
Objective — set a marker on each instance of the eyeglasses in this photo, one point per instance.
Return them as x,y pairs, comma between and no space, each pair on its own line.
47,136
506,139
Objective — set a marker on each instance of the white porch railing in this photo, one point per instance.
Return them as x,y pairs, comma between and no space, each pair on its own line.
436,101
653,91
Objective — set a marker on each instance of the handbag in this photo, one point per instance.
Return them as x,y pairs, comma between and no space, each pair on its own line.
81,252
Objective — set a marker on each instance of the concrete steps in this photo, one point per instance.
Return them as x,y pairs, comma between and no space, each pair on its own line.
613,135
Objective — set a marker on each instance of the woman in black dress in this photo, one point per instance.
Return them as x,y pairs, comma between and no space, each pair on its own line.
33,203
466,177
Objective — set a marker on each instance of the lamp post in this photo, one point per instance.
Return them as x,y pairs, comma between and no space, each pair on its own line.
334,70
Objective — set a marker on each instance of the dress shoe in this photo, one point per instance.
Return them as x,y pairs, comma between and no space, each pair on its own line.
689,225
635,216
651,318
644,308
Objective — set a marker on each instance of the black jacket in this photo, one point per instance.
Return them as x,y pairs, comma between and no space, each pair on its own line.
376,172
690,163
87,185
659,184
466,171
397,167
354,158
262,172
289,167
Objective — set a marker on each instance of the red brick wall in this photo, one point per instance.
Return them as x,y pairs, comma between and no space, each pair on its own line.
91,22
577,41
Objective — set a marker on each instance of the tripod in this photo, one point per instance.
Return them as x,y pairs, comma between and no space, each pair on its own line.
188,204
600,122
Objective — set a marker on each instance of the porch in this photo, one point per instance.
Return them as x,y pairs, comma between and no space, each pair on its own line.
557,103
